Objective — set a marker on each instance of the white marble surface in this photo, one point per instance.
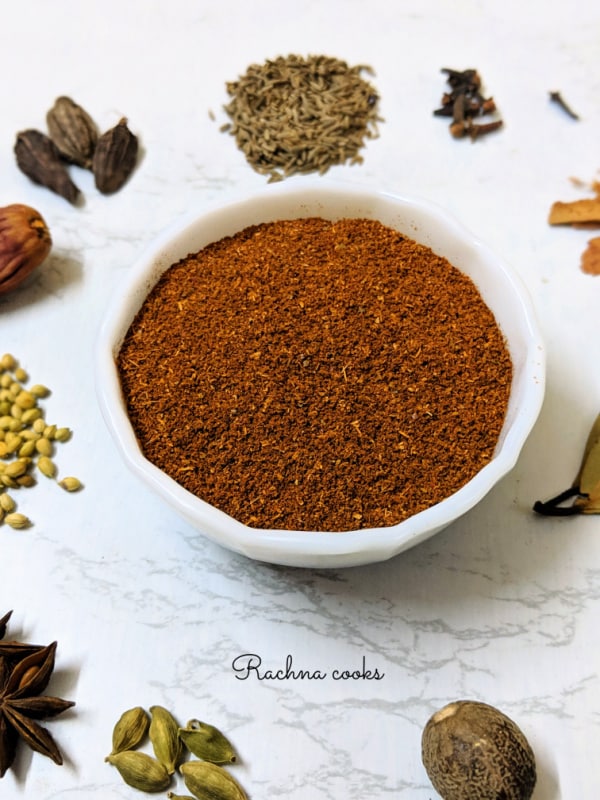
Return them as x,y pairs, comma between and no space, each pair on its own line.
502,606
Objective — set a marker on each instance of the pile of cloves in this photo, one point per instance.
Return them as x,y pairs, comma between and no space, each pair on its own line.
73,138
463,102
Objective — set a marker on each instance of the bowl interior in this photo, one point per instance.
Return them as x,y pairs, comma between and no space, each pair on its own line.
500,288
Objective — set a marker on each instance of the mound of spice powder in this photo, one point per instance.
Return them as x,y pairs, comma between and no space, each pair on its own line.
316,375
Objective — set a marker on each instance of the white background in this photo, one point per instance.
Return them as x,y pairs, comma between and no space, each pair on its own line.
503,606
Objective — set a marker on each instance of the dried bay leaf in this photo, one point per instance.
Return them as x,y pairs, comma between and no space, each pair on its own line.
585,488
588,478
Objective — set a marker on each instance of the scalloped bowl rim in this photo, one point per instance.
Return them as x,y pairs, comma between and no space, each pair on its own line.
422,220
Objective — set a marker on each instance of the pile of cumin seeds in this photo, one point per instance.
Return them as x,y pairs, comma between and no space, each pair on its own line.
295,115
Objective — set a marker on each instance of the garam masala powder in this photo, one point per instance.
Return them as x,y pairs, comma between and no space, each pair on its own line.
319,375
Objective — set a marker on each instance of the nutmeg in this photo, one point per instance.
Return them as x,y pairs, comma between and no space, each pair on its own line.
472,751
25,242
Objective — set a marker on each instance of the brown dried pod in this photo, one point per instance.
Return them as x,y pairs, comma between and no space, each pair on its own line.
39,158
24,243
73,131
114,158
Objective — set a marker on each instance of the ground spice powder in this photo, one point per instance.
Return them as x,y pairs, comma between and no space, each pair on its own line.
316,375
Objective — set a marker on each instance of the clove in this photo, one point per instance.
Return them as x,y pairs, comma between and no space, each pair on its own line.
464,102
481,130
557,98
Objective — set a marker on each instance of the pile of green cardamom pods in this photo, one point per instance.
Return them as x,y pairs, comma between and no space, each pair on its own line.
27,441
206,778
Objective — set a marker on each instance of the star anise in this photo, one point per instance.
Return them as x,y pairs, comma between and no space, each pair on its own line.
3,624
25,670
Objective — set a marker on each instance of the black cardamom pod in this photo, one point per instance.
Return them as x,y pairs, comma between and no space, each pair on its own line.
115,157
73,131
39,158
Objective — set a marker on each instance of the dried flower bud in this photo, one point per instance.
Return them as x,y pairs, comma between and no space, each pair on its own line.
39,158
114,158
73,131
24,243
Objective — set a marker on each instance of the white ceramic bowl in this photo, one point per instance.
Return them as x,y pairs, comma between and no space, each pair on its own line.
499,286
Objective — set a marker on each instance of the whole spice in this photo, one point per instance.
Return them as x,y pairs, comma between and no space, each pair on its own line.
38,157
590,258
583,213
585,489
207,743
5,619
297,115
557,98
337,375
46,466
73,131
70,484
463,102
25,243
164,736
472,751
25,671
140,770
575,212
148,774
130,730
24,434
114,158
17,520
208,781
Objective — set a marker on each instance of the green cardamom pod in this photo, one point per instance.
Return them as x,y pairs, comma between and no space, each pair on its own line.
164,736
208,781
73,131
114,158
130,730
38,157
140,771
207,743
